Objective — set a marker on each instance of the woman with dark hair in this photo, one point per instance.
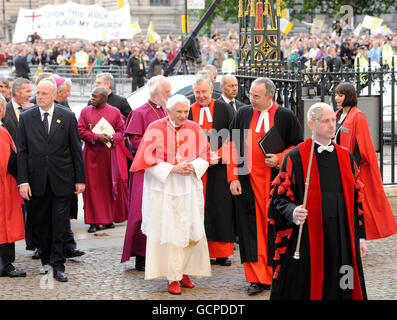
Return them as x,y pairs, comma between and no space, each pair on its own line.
353,133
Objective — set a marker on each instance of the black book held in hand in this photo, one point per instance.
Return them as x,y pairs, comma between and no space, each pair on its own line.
272,142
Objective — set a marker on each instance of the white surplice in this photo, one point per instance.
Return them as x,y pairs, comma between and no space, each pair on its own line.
173,221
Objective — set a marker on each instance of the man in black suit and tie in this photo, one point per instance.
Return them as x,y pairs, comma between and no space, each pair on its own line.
22,68
50,170
229,86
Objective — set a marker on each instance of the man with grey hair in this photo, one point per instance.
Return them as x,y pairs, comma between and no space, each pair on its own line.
21,93
172,219
208,72
215,117
11,221
50,170
251,173
331,220
159,91
106,80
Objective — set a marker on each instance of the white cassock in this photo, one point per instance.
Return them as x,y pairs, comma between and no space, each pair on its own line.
173,222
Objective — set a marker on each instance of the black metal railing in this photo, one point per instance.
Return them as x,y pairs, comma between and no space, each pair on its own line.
293,86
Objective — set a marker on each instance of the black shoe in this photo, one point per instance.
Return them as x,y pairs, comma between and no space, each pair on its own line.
74,253
16,273
224,262
256,288
93,228
109,226
36,254
140,263
61,276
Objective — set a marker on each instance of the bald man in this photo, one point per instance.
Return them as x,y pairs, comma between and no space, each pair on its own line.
229,87
332,220
50,170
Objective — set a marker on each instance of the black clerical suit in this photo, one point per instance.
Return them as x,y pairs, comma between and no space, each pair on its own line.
52,163
331,232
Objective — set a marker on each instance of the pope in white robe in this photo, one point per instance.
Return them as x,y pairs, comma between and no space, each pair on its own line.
174,154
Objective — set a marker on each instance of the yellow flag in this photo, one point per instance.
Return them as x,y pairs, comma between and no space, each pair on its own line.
372,23
285,26
152,35
120,4
135,28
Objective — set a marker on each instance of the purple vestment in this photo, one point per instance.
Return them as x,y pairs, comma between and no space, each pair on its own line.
135,241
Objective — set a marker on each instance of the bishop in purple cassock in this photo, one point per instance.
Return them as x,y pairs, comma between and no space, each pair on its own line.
136,125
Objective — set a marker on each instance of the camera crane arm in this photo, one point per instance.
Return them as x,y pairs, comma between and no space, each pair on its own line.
190,40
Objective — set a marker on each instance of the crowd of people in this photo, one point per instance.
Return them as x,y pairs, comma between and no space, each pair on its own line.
82,53
193,175
338,49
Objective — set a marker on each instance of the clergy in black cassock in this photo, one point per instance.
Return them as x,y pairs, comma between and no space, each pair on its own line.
330,260
252,172
214,117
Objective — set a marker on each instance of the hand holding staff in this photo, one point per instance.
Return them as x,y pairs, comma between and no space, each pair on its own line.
316,115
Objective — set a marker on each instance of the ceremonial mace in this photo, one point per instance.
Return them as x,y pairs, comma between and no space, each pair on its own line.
317,114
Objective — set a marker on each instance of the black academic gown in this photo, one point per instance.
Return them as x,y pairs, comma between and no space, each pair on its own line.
292,278
218,211
292,133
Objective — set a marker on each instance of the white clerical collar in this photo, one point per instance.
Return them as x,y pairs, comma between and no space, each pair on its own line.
320,144
155,104
207,112
264,119
50,111
329,147
173,123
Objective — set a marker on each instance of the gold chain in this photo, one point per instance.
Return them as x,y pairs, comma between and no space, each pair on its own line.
154,111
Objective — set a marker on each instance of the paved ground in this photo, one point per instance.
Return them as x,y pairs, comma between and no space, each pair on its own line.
99,275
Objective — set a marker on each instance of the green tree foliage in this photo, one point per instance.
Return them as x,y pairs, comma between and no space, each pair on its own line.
301,9
227,10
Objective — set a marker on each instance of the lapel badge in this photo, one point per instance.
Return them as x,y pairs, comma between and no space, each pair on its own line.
58,121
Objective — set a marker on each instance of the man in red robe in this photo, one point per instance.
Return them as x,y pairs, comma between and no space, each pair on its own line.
328,265
105,190
250,173
11,218
214,117
174,153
